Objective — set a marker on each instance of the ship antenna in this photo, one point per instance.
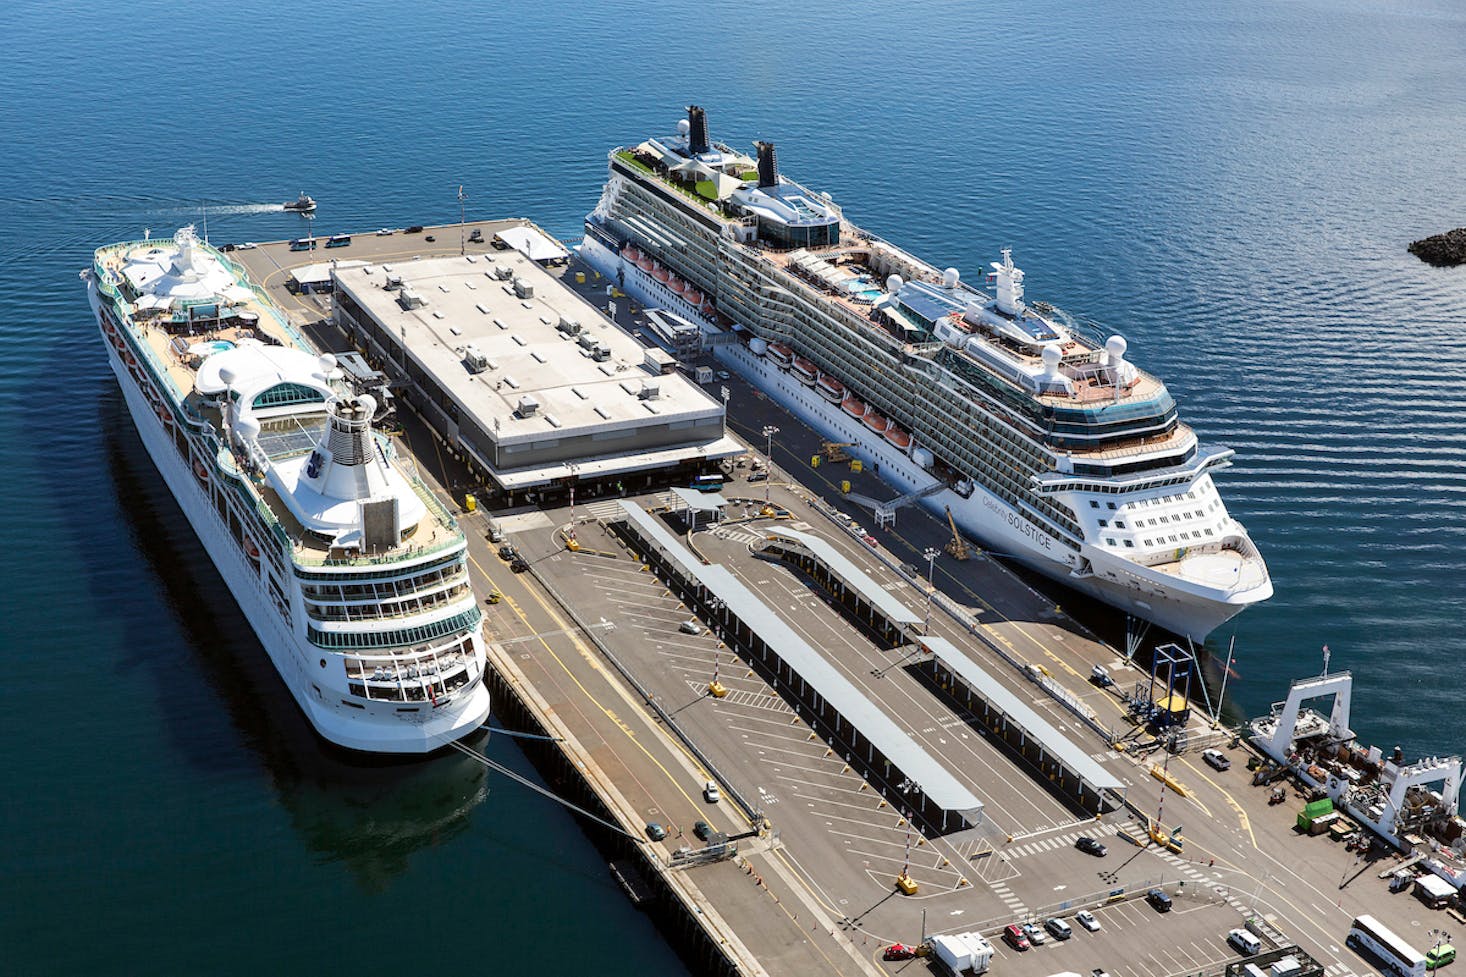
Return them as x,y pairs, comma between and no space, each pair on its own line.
204,206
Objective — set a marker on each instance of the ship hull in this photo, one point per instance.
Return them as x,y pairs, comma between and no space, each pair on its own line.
996,525
371,729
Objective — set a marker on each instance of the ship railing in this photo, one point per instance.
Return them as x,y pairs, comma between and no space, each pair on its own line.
339,613
410,676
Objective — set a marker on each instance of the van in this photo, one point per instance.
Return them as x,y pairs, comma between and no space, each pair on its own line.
1245,942
1059,928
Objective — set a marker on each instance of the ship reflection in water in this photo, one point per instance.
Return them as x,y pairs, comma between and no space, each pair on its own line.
369,813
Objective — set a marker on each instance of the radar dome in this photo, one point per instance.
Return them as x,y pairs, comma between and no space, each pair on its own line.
1051,357
227,376
684,127
894,283
950,278
368,405
327,362
247,426
1116,347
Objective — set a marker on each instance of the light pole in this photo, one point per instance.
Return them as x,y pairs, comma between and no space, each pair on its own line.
572,468
931,587
462,241
1441,937
769,432
716,689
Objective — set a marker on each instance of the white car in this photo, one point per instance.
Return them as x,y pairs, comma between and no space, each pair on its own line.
710,792
690,627
1035,934
1086,919
1216,759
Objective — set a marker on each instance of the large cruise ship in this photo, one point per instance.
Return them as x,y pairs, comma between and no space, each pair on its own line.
1044,442
348,568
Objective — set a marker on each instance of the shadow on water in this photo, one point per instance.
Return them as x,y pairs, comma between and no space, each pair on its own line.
368,813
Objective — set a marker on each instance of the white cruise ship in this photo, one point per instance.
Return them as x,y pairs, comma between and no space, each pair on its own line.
1045,443
350,571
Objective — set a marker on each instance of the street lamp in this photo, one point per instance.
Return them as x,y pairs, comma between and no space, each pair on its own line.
572,468
769,432
931,587
1441,937
716,688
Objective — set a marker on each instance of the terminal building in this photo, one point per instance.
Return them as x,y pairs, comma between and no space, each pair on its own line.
528,380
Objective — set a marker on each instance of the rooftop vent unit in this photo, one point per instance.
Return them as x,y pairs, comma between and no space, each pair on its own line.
409,299
528,406
586,340
768,165
697,130
600,352
569,326
650,390
393,283
523,288
503,273
474,359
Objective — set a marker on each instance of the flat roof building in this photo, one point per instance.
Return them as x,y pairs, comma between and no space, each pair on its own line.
527,377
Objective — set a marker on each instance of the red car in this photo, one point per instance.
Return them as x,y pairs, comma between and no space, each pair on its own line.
899,951
1015,937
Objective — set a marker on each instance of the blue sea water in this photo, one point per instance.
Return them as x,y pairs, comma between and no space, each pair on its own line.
1230,185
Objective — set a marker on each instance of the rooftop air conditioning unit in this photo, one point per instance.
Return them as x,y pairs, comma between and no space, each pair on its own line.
569,326
650,390
503,273
410,299
600,352
393,283
523,288
528,406
474,359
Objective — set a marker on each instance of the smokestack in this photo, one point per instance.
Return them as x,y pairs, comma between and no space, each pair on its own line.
768,165
697,134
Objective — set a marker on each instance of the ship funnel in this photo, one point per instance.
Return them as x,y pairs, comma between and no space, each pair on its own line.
697,130
768,165
346,465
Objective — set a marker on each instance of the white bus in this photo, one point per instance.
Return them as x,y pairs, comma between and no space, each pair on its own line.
1393,953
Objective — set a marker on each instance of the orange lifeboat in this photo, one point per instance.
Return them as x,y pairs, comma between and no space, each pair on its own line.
780,353
898,437
631,253
693,297
875,422
251,549
661,274
831,389
853,407
677,285
201,472
806,371
645,263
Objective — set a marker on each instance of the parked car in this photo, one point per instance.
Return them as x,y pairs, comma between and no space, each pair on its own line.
655,831
508,552
898,951
701,830
1158,900
1100,676
1439,956
1013,936
1245,942
724,375
690,627
1035,934
1216,759
1060,929
1090,846
759,476
1087,919
517,565
710,792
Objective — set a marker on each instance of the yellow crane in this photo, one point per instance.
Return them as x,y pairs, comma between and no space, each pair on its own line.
956,546
835,451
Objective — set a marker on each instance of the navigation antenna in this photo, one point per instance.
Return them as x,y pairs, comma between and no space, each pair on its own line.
462,241
204,207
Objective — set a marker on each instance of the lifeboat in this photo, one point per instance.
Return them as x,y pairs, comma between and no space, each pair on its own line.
853,407
631,253
707,307
251,549
875,422
677,285
806,371
898,437
200,471
831,389
661,274
645,263
780,353
693,297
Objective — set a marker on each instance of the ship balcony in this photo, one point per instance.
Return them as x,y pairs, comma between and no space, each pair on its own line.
1207,458
418,675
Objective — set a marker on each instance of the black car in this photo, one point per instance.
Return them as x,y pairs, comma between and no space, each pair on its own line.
517,565
1158,900
508,552
702,829
1087,844
414,229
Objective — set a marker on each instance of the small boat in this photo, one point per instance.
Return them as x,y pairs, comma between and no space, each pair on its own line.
631,253
661,274
831,389
806,371
875,422
898,437
677,285
302,204
780,353
853,406
645,263
693,298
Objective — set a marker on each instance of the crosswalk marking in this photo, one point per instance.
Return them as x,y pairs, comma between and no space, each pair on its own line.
1059,841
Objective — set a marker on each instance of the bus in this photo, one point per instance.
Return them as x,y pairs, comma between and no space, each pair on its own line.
708,483
1394,954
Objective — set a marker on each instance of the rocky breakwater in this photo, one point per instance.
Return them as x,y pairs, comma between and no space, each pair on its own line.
1442,250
